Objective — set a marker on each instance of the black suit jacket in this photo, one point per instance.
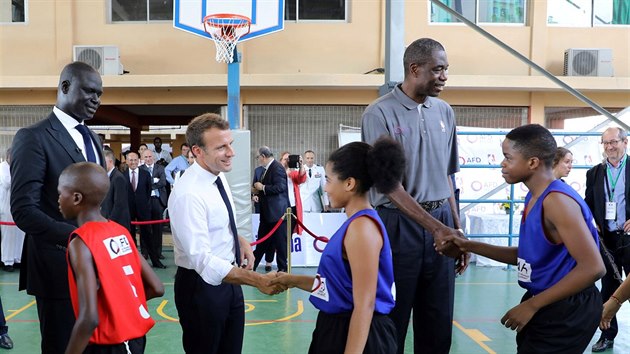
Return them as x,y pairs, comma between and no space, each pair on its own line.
39,155
274,201
115,206
139,206
595,194
160,185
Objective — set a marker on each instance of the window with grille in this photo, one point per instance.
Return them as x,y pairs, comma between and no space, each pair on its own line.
482,11
13,11
141,10
300,10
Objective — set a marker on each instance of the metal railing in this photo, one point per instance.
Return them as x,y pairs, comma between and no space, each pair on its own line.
486,198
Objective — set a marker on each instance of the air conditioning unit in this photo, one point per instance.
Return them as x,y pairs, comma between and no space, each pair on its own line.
103,58
588,62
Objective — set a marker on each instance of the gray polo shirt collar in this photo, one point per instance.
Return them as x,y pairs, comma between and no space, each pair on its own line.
408,102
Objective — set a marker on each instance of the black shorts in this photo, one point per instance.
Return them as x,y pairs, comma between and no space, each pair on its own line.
136,346
331,333
564,327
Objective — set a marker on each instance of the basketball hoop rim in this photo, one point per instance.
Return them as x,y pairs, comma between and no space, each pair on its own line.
225,16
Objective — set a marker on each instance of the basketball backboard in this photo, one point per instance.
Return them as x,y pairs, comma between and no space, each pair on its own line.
267,16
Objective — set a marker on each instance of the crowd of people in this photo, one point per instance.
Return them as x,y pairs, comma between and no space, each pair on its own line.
393,261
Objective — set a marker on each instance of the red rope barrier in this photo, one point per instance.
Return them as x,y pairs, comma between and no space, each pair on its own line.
260,240
270,232
150,222
323,239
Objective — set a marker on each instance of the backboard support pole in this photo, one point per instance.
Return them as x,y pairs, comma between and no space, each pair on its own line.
394,44
234,91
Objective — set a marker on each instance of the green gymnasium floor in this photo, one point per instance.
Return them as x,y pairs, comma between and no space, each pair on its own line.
283,324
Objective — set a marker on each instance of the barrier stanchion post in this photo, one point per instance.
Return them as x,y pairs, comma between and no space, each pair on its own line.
289,238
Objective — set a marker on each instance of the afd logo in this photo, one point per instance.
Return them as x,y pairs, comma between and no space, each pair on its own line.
117,246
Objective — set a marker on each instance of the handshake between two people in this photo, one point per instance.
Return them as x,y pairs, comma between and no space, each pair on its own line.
277,282
453,243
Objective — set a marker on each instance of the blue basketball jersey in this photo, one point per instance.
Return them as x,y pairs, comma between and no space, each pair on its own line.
335,293
542,264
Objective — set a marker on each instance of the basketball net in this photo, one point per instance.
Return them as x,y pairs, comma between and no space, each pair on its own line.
226,30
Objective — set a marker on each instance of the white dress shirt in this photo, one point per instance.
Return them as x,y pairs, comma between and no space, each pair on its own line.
131,172
70,123
200,224
154,191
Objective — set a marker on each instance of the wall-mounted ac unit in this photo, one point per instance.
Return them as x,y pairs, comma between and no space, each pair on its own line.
103,58
588,62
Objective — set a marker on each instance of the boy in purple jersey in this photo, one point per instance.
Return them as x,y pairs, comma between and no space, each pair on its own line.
557,259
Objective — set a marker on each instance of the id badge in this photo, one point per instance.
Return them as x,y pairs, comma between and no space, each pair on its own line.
611,211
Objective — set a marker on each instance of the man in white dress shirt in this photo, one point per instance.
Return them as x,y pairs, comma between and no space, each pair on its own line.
208,295
314,199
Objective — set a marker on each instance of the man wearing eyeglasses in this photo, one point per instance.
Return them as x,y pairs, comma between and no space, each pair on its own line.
607,190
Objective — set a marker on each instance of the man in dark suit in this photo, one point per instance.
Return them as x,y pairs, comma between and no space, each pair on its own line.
40,152
158,198
139,189
115,206
274,201
607,195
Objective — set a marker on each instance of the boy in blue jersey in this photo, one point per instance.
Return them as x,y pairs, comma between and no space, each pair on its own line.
557,259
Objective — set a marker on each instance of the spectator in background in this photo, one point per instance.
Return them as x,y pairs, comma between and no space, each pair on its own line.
12,236
271,251
101,137
141,150
314,199
562,163
5,340
180,163
162,157
190,159
158,200
139,190
123,162
258,172
116,160
274,201
608,198
295,177
115,206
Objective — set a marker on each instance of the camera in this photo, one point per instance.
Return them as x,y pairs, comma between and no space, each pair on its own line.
294,161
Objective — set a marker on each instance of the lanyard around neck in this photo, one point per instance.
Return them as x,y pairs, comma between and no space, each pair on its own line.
613,183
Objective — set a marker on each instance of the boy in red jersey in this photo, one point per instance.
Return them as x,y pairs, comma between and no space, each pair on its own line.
109,281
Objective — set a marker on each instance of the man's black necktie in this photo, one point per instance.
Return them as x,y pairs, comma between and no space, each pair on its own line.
309,173
87,140
237,247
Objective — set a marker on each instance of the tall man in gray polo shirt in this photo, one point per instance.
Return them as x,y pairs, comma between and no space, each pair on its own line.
417,218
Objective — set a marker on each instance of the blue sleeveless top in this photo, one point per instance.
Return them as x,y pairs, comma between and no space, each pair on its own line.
542,264
335,293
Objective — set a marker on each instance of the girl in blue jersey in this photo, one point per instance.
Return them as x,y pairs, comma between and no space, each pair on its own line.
557,258
354,288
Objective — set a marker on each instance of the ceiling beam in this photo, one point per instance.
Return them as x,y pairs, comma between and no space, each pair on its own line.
112,115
